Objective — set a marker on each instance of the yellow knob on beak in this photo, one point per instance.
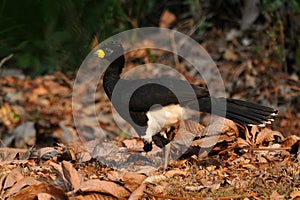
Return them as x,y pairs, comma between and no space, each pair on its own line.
100,53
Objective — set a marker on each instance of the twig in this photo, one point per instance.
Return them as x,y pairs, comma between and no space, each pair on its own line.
195,198
5,59
64,78
268,149
8,149
174,48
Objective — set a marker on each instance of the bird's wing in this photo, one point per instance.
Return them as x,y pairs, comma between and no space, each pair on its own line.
141,94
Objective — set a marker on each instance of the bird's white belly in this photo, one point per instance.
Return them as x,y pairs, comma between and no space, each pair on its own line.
161,118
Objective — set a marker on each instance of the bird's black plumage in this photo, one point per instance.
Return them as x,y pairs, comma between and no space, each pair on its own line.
134,106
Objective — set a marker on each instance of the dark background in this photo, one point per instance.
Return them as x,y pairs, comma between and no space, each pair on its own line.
54,35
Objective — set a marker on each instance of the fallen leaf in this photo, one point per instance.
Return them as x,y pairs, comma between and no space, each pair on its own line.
133,180
47,153
13,177
250,81
174,172
71,174
133,144
230,55
166,19
42,190
115,175
230,128
60,178
92,196
138,193
267,135
295,195
193,127
155,179
41,90
290,141
276,196
242,143
26,181
208,141
106,187
44,196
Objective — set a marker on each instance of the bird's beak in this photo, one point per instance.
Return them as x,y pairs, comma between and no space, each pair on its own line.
99,53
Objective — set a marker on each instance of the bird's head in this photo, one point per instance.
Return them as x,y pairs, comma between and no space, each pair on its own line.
110,51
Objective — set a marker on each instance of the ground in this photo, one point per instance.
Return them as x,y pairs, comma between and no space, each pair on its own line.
43,157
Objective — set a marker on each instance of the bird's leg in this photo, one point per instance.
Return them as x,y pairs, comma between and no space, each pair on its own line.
169,134
167,151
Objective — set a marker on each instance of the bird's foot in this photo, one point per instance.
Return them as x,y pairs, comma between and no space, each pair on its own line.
147,143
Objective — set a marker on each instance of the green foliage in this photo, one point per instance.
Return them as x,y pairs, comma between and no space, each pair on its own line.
272,6
193,6
298,58
204,24
51,34
284,33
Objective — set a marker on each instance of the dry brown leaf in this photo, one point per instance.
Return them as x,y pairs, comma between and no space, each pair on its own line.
71,174
115,175
92,196
159,189
133,180
174,172
106,187
2,180
249,166
295,195
230,55
267,135
166,19
205,142
47,153
138,193
13,177
230,128
155,179
193,127
134,144
55,88
290,141
41,90
276,196
242,143
44,196
210,141
252,135
60,178
20,184
250,81
33,191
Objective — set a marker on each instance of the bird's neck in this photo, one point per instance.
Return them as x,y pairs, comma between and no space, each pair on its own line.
112,75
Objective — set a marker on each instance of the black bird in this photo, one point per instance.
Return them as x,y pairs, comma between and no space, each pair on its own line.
153,107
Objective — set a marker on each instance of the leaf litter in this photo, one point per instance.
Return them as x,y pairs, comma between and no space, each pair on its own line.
236,163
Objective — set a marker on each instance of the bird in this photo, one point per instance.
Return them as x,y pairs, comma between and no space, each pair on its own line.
152,108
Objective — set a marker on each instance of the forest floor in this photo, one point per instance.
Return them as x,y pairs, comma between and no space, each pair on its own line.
42,156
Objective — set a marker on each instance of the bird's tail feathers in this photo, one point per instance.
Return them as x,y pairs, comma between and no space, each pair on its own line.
242,112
